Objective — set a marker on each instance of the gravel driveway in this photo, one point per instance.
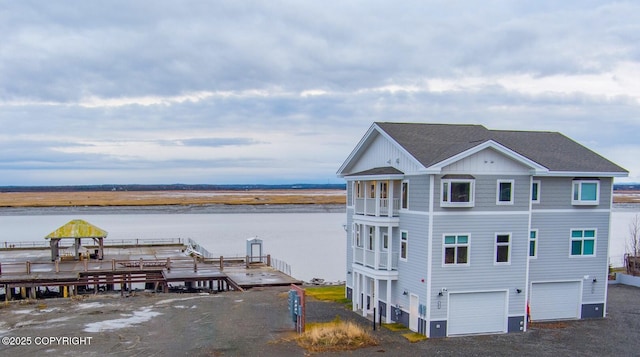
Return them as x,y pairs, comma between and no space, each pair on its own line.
256,323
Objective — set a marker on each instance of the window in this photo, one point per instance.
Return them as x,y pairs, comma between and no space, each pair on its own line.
404,242
385,241
372,189
456,249
585,192
533,244
372,232
535,191
405,195
503,242
583,242
356,235
457,192
505,192
358,189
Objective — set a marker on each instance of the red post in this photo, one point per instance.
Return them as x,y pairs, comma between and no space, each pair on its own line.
301,319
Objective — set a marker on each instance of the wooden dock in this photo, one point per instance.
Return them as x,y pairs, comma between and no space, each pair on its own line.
28,272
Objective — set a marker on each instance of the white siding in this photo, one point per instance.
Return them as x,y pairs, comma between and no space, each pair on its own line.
383,153
487,161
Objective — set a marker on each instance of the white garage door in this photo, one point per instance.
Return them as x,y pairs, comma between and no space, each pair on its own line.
483,312
554,301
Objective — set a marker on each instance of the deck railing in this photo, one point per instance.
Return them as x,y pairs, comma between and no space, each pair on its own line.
380,206
106,242
368,258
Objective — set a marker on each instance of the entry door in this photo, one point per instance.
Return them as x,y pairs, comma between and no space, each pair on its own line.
256,252
413,313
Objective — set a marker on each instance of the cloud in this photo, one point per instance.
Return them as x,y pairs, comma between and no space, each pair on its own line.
223,92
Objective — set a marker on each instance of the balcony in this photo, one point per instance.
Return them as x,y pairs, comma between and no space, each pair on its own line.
377,206
376,260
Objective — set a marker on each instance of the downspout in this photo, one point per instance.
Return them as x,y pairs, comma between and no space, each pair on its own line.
526,278
430,253
606,281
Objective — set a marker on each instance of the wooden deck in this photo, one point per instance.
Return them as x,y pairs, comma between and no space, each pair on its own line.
24,272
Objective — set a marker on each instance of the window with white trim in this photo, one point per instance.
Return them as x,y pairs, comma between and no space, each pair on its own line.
456,249
503,248
583,242
372,232
505,192
356,235
533,243
385,241
404,245
535,191
585,192
405,195
457,192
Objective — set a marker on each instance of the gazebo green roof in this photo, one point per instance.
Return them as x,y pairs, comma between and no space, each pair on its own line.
77,228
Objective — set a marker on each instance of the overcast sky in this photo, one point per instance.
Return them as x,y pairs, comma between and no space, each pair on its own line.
225,92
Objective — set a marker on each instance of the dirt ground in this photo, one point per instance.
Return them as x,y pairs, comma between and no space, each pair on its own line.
256,323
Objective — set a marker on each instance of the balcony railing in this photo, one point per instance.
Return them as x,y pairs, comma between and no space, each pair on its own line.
367,258
377,206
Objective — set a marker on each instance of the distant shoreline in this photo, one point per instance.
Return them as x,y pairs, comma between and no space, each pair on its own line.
173,209
172,198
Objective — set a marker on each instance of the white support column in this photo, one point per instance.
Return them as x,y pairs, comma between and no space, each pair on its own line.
365,291
374,298
355,294
376,247
377,199
389,247
388,309
390,198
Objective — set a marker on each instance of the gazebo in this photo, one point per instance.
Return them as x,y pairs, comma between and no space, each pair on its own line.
77,229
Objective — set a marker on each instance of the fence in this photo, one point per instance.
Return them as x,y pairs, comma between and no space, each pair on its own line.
107,242
281,265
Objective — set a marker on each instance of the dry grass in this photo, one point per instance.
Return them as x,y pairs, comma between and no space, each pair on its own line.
395,327
335,336
334,293
414,337
626,197
149,198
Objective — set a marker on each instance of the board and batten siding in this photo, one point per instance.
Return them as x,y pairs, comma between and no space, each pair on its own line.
383,153
482,273
486,162
553,261
412,274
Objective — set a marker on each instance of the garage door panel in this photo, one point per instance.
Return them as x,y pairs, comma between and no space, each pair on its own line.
555,301
478,312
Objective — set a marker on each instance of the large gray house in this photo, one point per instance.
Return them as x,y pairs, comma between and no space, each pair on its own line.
456,229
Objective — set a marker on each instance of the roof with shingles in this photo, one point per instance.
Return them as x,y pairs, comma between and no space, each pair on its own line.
388,170
434,143
77,228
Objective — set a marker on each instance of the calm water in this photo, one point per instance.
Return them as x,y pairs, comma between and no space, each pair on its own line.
312,243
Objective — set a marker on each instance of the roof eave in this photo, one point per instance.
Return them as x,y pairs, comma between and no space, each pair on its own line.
489,144
583,174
